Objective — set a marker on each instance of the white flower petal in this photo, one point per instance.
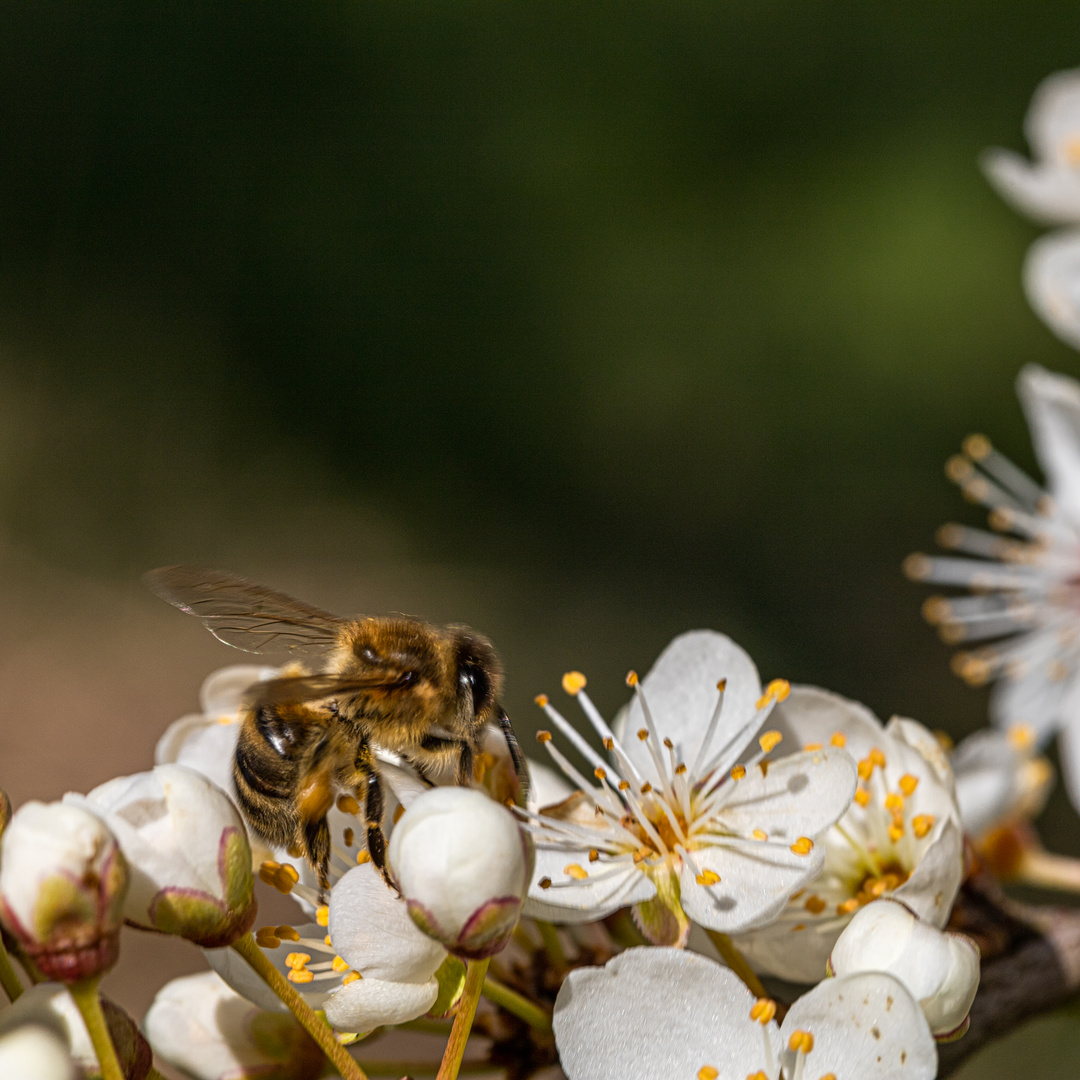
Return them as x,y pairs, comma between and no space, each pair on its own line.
800,795
865,1027
813,715
1052,402
926,744
223,691
1052,123
657,1012
681,694
370,1003
934,883
755,884
986,773
1048,193
371,929
32,1053
1069,754
210,750
546,786
605,890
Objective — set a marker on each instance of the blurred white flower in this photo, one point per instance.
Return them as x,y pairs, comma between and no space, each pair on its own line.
49,1005
363,962
187,849
671,1013
1052,283
35,1053
1000,779
63,882
201,1026
694,820
462,863
1047,189
939,969
1023,578
901,835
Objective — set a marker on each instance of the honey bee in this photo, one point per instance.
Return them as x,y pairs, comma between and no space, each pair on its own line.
422,692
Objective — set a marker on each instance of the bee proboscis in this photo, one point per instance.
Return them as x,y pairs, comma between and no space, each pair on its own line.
420,691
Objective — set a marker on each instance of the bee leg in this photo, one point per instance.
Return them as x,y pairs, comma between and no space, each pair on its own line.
464,773
521,769
317,850
376,840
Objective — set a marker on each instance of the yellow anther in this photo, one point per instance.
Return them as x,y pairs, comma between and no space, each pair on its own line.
300,975
708,877
838,739
877,757
573,682
363,856
297,960
338,965
763,1010
668,743
680,769
802,1042
760,834
908,784
270,865
847,907
812,746
722,685
286,933
780,689
543,736
828,1076
917,567
894,803
641,854
1021,736
544,883
896,831
866,769
770,741
803,846
398,813
643,733
977,447
268,872
738,772
600,772
594,855
322,914
266,938
348,805
862,796
327,942
578,873
815,905
348,836
797,927
646,788
707,1072
759,1075
631,678
921,824
958,469
350,978
624,785
541,700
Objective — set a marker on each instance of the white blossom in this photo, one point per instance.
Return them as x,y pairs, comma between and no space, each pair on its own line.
63,882
671,1013
1047,189
900,836
363,961
34,1053
939,969
201,1026
1023,577
188,851
691,819
1052,283
462,863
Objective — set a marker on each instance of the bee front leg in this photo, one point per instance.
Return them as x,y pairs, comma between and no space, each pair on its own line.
317,850
464,772
367,779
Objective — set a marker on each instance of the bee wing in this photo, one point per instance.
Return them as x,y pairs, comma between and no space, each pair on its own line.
247,616
296,690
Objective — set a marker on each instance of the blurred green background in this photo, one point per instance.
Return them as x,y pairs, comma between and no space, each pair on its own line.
584,324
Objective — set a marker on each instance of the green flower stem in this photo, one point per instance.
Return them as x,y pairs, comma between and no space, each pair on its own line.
475,970
737,962
421,1068
552,945
10,981
320,1031
517,1004
85,995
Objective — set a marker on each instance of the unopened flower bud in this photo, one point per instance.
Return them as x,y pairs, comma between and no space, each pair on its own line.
462,864
188,852
62,886
941,970
35,1053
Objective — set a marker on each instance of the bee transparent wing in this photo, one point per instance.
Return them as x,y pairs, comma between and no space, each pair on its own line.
247,616
296,690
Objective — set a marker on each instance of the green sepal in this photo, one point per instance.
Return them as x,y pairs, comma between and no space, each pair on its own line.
451,980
